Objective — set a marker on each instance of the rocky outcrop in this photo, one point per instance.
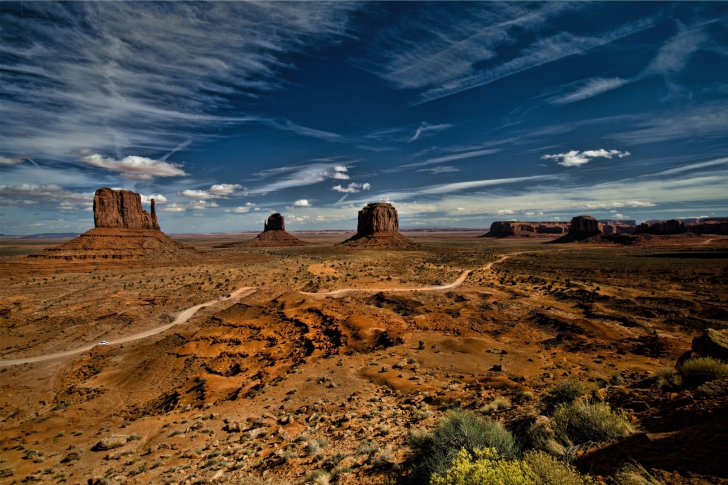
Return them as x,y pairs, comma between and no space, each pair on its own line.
713,343
110,442
276,222
584,225
617,229
662,228
123,209
274,235
378,227
710,226
526,229
124,231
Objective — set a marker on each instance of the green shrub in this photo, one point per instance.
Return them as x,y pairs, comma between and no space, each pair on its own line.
635,474
702,369
459,430
666,377
496,405
550,471
579,423
486,468
568,390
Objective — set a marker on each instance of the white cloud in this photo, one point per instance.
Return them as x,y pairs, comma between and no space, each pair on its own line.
300,175
239,210
218,191
694,166
450,158
302,203
30,194
425,128
592,87
575,158
191,205
11,160
437,170
158,199
674,55
133,167
352,188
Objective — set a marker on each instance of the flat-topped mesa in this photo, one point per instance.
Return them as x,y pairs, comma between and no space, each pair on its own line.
276,222
122,209
378,226
526,229
662,228
584,226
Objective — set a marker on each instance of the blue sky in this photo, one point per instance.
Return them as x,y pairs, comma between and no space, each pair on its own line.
458,113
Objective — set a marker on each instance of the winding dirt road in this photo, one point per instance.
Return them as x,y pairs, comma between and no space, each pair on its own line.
181,318
186,314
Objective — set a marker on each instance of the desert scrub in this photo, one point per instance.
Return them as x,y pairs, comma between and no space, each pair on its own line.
551,471
579,423
635,474
496,405
666,377
436,450
568,390
702,369
483,467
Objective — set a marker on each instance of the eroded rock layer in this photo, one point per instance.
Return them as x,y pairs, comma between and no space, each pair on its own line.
526,229
662,228
122,208
378,227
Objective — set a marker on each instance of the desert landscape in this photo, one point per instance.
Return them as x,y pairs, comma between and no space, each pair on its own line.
216,361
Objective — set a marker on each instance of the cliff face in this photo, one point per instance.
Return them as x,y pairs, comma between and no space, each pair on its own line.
377,217
584,225
662,228
525,229
122,209
378,227
275,222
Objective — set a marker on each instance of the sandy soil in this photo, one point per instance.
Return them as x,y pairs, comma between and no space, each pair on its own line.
347,347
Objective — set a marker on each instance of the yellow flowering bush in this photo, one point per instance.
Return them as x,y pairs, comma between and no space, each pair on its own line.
486,468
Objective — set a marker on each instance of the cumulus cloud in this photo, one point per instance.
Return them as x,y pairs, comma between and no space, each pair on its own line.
158,199
340,173
191,205
352,188
30,194
11,160
133,167
239,210
575,158
218,191
302,203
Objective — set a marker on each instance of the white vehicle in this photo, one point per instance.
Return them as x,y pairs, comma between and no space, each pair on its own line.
104,342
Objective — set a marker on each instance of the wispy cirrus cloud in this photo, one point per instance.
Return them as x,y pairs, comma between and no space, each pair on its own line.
452,158
674,54
352,188
426,128
300,175
113,77
576,158
31,194
588,89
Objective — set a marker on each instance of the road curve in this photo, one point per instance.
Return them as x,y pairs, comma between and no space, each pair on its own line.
189,312
181,318
454,284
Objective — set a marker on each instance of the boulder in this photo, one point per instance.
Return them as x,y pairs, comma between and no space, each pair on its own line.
122,209
662,228
713,343
275,222
110,442
378,227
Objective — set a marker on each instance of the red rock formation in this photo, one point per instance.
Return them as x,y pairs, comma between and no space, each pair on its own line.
525,229
710,226
662,228
274,235
275,222
122,209
378,227
584,225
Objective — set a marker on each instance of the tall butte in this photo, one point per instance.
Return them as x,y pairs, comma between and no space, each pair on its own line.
274,235
123,230
378,227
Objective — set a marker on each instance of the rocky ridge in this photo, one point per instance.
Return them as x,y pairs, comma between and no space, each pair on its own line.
526,229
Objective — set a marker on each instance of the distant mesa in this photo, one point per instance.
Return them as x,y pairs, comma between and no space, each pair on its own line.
662,228
274,235
519,229
378,227
580,229
717,225
123,231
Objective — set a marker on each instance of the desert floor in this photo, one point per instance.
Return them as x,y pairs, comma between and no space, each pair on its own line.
283,379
